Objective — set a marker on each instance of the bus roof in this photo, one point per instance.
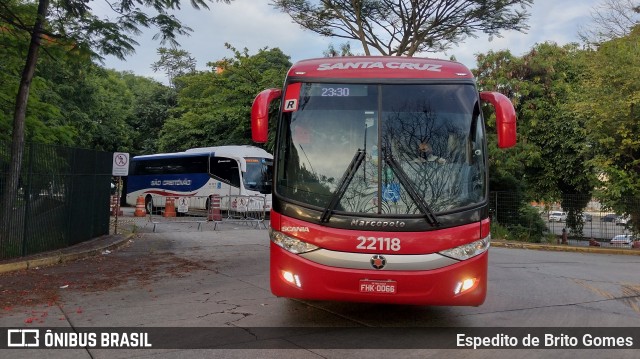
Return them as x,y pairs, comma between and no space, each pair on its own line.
234,151
168,155
227,151
383,67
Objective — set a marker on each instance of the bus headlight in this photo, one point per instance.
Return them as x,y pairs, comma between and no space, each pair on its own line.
290,244
468,250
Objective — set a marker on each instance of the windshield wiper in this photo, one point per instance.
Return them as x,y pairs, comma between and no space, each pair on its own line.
356,161
406,183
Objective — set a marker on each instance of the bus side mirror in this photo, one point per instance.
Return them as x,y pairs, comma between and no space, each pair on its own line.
260,114
505,117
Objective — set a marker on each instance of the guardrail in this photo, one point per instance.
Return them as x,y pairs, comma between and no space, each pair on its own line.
214,209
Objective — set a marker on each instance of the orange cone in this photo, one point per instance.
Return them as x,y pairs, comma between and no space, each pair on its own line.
140,210
169,208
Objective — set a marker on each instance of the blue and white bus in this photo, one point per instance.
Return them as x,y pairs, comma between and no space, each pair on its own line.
227,171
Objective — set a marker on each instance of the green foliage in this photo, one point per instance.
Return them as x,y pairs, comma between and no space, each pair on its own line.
174,62
214,107
76,103
73,32
343,50
499,231
610,106
151,104
44,117
529,227
551,160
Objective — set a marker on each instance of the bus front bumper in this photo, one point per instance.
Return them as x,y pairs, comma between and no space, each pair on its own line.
295,277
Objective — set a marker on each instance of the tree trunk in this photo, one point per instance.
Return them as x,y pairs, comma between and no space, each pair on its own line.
17,138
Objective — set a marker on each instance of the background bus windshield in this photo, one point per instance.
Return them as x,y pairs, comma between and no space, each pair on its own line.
258,175
432,132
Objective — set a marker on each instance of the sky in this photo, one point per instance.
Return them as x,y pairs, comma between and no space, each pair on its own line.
255,24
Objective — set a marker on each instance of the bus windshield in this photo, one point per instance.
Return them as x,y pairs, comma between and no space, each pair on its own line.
423,148
259,174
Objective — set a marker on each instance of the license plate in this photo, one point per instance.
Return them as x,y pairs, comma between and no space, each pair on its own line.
378,286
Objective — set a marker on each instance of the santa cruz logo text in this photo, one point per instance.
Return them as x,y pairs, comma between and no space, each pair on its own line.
365,65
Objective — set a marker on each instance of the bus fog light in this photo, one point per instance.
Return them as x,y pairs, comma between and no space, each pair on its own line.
465,285
292,278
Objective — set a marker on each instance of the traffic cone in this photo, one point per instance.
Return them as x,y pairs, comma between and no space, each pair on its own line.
214,208
169,208
140,210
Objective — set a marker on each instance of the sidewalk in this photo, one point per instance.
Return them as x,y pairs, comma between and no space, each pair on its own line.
86,249
563,247
128,227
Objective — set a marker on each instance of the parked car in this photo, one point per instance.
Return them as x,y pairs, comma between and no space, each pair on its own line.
622,240
609,218
586,217
557,216
622,220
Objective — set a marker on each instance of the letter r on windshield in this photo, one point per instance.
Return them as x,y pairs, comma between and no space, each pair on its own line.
291,105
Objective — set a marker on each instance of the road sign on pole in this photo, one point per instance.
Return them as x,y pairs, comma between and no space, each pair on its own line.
120,164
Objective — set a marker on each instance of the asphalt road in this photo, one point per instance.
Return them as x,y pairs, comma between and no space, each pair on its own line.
181,277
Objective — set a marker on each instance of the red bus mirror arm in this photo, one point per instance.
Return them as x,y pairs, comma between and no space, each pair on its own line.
505,117
260,114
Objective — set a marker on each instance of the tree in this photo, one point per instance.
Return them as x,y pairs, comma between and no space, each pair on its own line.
214,107
552,157
610,20
610,105
106,128
44,120
406,27
74,27
151,105
174,63
344,50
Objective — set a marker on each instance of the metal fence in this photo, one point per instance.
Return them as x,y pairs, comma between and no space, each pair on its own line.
594,225
198,210
62,198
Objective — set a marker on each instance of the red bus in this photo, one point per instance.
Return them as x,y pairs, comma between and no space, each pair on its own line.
380,181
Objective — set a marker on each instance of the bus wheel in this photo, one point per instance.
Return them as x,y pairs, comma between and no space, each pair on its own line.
148,205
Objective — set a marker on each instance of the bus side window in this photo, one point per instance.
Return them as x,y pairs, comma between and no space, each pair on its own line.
226,170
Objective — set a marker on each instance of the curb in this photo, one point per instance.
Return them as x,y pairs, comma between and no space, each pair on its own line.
564,248
57,257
